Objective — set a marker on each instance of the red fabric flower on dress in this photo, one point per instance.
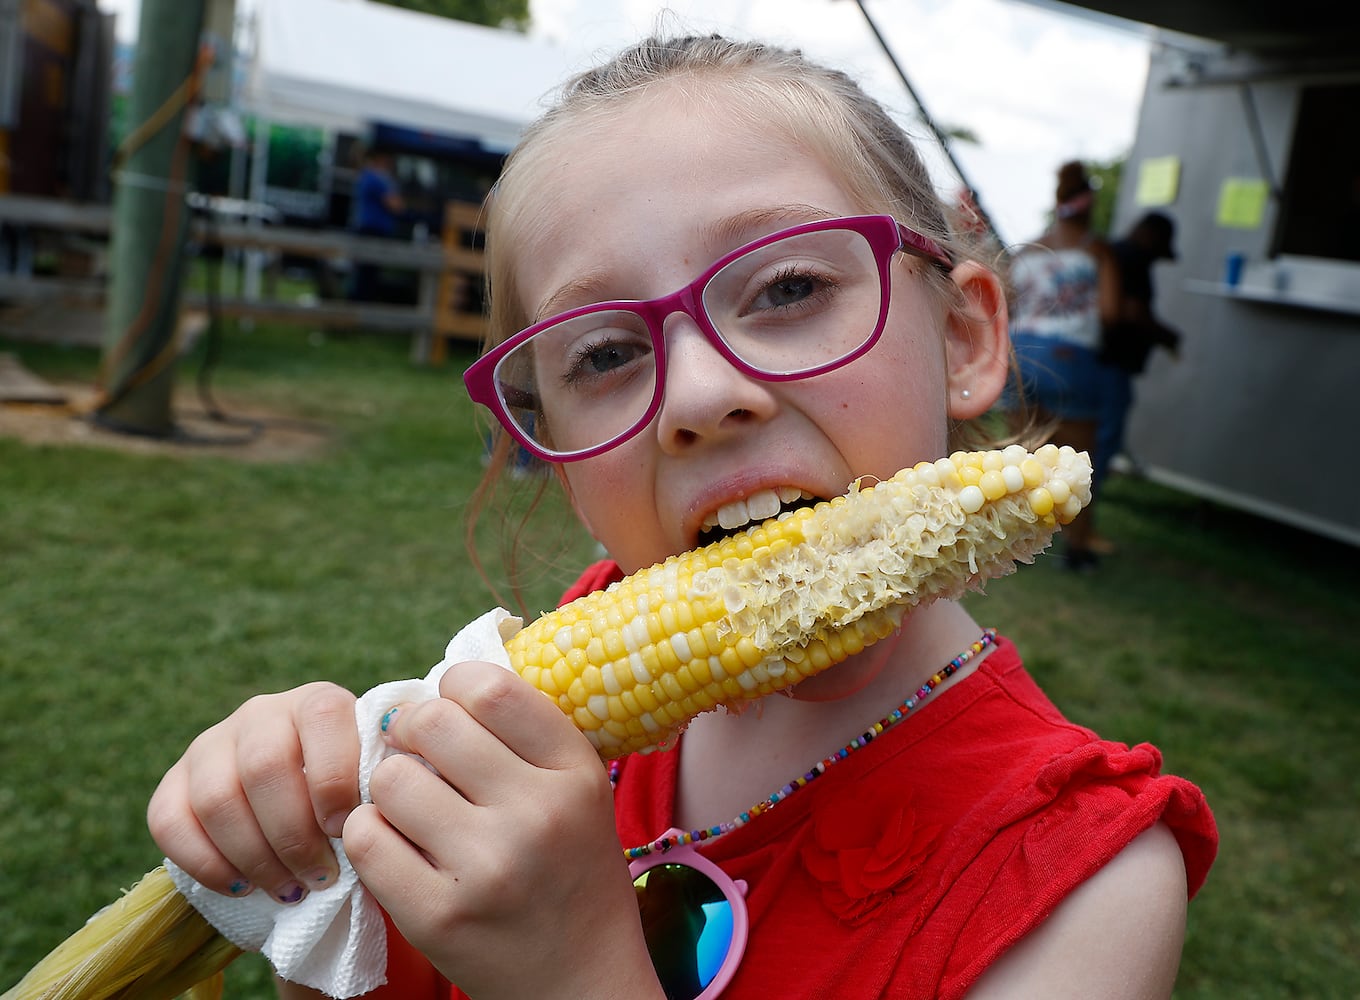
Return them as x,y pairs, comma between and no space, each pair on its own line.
863,851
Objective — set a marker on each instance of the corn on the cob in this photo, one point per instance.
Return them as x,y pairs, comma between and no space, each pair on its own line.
762,610
743,617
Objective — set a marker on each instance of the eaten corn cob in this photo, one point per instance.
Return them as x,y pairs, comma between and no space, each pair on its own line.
763,609
746,616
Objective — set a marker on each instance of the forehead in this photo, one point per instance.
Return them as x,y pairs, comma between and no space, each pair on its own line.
655,183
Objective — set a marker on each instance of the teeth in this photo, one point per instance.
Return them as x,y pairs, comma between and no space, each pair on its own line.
733,515
757,507
762,505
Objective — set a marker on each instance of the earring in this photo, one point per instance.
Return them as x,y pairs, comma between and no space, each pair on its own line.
965,393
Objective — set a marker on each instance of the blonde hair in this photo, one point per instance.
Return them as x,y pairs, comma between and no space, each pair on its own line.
819,107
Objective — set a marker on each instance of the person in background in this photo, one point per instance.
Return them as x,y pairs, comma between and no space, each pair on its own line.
1128,341
1065,287
378,206
746,238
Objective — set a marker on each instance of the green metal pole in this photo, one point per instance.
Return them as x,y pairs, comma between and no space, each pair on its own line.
149,223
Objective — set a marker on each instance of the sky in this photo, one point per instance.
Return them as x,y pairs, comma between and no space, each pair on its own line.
1035,85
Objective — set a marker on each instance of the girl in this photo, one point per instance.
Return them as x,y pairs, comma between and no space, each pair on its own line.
983,846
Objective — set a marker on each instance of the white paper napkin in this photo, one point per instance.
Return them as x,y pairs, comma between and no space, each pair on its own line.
334,939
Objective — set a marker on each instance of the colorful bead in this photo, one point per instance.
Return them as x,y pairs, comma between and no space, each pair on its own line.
887,722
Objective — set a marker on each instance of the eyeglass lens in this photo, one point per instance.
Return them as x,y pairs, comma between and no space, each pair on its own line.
794,305
687,922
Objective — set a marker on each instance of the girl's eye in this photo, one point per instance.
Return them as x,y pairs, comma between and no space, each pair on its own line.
790,288
602,356
786,291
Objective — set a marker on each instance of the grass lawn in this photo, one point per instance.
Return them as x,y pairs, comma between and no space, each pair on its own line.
142,597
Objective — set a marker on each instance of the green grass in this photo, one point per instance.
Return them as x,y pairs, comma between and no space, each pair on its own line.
143,597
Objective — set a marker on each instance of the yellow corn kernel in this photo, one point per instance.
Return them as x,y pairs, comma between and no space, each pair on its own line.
1041,501
993,484
1033,471
761,610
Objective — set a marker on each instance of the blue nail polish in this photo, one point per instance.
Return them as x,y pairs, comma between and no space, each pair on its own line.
387,719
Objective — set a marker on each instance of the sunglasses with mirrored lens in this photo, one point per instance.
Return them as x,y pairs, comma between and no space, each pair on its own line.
694,920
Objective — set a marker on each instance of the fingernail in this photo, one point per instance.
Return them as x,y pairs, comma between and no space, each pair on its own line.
319,878
290,893
388,718
240,887
334,824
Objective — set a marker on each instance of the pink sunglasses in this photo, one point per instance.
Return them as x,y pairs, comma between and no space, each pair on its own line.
694,920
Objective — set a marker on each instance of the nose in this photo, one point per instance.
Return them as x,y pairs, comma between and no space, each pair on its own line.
706,399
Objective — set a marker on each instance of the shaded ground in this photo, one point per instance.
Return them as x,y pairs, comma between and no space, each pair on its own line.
48,413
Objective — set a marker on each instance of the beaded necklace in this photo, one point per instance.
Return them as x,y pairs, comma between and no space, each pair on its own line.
899,713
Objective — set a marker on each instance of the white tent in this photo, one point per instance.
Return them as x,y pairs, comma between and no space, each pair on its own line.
342,64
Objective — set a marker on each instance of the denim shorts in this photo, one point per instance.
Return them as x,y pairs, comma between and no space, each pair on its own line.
1058,376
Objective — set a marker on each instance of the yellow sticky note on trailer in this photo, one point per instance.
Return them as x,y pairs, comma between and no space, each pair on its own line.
1242,203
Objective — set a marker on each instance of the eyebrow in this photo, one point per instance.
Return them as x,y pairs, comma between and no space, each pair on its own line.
583,286
743,227
730,231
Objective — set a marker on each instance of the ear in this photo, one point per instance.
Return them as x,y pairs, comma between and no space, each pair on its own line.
977,342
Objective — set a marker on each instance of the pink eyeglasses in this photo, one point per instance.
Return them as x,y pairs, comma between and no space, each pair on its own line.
794,304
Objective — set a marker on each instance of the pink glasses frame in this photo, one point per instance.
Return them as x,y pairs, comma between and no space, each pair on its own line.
885,235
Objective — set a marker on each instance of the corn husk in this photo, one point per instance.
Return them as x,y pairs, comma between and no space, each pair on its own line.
149,944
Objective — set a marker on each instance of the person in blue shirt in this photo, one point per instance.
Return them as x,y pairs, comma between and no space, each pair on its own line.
378,206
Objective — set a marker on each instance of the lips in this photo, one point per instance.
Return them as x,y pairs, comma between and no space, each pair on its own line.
759,506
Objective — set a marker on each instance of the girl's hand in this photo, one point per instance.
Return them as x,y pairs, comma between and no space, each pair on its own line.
503,867
253,799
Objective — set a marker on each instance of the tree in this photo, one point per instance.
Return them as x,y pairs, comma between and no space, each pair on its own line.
493,13
149,224
1105,177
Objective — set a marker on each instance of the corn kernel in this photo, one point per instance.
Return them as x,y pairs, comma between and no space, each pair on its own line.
646,698
747,651
992,484
562,675
1033,471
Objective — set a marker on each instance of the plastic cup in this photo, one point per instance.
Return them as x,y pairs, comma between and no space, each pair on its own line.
1232,269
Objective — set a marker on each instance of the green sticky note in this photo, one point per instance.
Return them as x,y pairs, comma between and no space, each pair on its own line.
1242,202
1158,181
